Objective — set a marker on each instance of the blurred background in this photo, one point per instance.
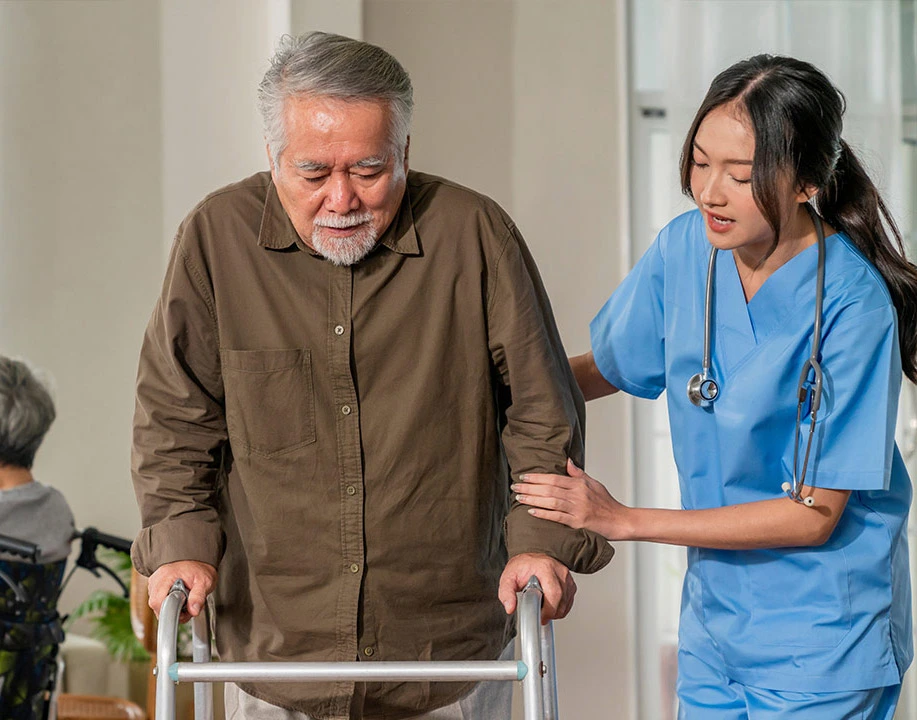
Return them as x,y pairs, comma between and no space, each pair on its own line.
118,116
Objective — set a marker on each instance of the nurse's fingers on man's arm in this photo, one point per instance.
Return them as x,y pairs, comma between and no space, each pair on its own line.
536,509
546,481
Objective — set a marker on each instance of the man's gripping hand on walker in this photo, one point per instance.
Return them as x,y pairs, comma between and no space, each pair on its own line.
556,583
199,577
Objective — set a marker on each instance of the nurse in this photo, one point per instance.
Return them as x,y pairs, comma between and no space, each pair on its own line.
791,604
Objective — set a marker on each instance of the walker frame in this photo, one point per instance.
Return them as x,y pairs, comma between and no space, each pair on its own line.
536,669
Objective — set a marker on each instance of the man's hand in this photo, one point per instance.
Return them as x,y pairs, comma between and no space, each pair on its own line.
199,578
556,583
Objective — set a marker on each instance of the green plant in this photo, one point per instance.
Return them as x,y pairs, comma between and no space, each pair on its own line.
109,613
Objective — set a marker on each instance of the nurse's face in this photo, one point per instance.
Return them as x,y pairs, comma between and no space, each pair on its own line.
724,148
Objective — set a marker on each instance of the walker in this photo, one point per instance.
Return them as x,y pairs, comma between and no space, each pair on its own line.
536,669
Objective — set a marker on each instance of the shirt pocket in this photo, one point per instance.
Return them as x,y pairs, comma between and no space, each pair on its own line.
801,597
270,404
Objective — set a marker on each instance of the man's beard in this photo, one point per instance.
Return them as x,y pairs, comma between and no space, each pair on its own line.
344,250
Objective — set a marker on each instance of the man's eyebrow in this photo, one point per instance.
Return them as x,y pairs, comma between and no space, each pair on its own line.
310,165
370,162
725,162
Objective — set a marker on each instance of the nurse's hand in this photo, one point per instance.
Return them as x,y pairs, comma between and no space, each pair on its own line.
577,501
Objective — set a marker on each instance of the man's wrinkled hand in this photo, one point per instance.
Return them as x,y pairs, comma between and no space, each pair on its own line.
199,577
556,583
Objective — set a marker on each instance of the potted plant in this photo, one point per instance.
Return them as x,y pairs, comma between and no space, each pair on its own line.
109,614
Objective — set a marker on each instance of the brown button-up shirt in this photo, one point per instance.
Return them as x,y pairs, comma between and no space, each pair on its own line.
337,440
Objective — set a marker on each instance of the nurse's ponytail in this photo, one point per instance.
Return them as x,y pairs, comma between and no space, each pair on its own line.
850,202
796,115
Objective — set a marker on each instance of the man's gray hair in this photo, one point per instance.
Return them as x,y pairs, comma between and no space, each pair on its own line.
329,65
26,413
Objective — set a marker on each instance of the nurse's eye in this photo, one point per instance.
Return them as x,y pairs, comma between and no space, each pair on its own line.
742,181
697,163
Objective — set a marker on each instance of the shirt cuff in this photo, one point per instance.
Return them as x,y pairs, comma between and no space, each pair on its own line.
580,550
171,541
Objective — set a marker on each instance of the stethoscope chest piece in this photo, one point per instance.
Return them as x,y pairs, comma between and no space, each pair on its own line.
702,390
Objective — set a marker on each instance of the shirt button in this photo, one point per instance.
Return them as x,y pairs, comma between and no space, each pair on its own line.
354,568
338,329
368,651
346,409
351,490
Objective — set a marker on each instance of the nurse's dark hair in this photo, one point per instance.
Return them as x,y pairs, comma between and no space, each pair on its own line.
796,116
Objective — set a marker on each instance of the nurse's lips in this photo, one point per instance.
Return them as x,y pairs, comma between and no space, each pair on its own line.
718,223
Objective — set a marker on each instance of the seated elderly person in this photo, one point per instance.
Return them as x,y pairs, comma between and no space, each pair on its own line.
30,628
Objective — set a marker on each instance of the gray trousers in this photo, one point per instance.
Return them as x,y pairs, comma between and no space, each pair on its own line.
490,700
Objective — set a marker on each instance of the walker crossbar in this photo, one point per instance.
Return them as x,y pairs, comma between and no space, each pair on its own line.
535,670
357,671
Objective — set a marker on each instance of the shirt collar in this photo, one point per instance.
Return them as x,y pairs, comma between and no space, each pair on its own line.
400,236
278,233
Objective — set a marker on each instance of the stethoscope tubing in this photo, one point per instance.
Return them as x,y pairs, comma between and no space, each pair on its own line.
812,365
708,311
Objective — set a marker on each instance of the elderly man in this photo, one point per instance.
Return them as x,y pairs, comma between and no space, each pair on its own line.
345,358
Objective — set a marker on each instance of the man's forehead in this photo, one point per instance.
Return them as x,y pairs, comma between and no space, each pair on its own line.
324,131
325,112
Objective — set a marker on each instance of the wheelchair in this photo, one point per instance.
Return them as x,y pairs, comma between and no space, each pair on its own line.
31,628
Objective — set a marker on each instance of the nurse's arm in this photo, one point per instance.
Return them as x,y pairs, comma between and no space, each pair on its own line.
776,523
591,382
579,501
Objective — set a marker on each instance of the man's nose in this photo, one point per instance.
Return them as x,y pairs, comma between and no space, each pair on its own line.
341,197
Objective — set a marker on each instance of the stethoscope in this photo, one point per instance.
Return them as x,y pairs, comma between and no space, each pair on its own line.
703,389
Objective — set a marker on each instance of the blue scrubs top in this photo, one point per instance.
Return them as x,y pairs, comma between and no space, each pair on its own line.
819,619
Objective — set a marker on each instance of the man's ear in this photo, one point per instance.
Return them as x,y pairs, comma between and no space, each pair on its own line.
270,160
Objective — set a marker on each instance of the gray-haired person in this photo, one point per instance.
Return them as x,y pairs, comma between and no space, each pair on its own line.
30,627
29,510
347,363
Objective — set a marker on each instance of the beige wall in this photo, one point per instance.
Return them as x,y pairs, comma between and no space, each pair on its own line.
80,232
118,116
460,58
213,54
568,195
522,101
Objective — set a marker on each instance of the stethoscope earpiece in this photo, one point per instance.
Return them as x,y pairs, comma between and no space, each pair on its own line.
808,501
